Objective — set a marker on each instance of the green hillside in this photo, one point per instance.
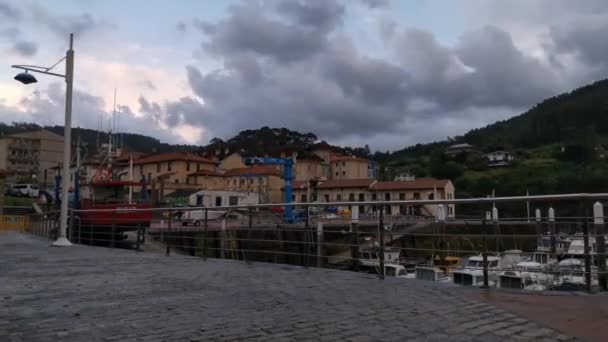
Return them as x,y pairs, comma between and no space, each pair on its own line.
558,145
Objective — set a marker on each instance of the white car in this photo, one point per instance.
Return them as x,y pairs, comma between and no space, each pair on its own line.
24,190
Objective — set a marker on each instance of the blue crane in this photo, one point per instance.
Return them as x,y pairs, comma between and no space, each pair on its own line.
287,164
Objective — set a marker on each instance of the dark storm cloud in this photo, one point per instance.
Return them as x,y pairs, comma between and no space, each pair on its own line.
291,68
585,39
375,3
9,12
248,30
502,75
323,15
25,48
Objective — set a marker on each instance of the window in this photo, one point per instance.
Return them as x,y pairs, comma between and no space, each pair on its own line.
326,196
402,196
293,198
158,168
199,200
233,200
361,197
176,181
242,181
314,197
188,166
168,166
339,197
149,176
343,163
387,196
188,180
141,169
416,195
250,180
198,166
343,173
351,197
337,173
304,199
431,196
218,201
337,164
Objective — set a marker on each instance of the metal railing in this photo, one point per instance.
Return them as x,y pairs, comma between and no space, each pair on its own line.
548,251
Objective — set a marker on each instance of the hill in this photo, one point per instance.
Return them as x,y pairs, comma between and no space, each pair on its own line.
559,146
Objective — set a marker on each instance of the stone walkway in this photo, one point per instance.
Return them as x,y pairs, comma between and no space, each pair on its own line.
85,293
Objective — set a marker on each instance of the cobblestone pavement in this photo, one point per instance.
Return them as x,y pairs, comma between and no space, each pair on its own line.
85,293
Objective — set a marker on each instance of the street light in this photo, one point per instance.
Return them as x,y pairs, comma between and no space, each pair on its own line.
27,78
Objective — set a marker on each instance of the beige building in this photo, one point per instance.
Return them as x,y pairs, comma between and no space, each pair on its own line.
309,166
206,179
345,167
366,189
31,153
415,189
168,172
233,161
265,180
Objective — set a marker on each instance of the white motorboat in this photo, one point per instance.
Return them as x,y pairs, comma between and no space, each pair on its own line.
527,275
472,273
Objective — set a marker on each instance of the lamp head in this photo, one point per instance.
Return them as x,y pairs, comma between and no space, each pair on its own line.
26,78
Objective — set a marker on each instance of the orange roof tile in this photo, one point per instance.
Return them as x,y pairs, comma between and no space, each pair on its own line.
207,173
348,158
417,184
163,157
346,183
260,170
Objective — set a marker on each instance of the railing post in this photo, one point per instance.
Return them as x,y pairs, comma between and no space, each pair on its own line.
484,228
113,230
205,228
552,232
71,226
167,245
319,244
354,250
381,238
91,234
138,237
600,244
223,238
587,249
79,231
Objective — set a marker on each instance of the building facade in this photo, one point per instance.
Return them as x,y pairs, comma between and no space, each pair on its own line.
366,189
265,180
31,154
345,167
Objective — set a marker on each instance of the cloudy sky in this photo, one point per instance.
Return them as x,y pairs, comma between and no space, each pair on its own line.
387,73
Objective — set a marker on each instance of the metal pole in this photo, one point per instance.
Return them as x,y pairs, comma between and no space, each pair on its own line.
381,237
485,254
319,244
223,239
587,249
138,237
205,227
72,216
168,247
112,243
600,244
552,237
62,240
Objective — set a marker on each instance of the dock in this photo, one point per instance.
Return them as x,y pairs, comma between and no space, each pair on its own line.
85,293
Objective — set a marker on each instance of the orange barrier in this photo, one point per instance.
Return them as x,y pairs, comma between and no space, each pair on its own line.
16,223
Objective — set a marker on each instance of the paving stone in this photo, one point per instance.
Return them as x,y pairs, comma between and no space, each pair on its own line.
86,293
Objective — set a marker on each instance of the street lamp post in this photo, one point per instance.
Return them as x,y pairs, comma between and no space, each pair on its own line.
27,78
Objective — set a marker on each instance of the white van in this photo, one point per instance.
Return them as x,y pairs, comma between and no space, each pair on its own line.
24,190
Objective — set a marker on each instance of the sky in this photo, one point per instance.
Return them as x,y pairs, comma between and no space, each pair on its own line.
387,73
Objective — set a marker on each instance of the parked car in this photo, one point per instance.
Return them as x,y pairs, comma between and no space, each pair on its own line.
24,190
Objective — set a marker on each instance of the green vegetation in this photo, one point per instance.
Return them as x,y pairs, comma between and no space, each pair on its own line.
558,147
